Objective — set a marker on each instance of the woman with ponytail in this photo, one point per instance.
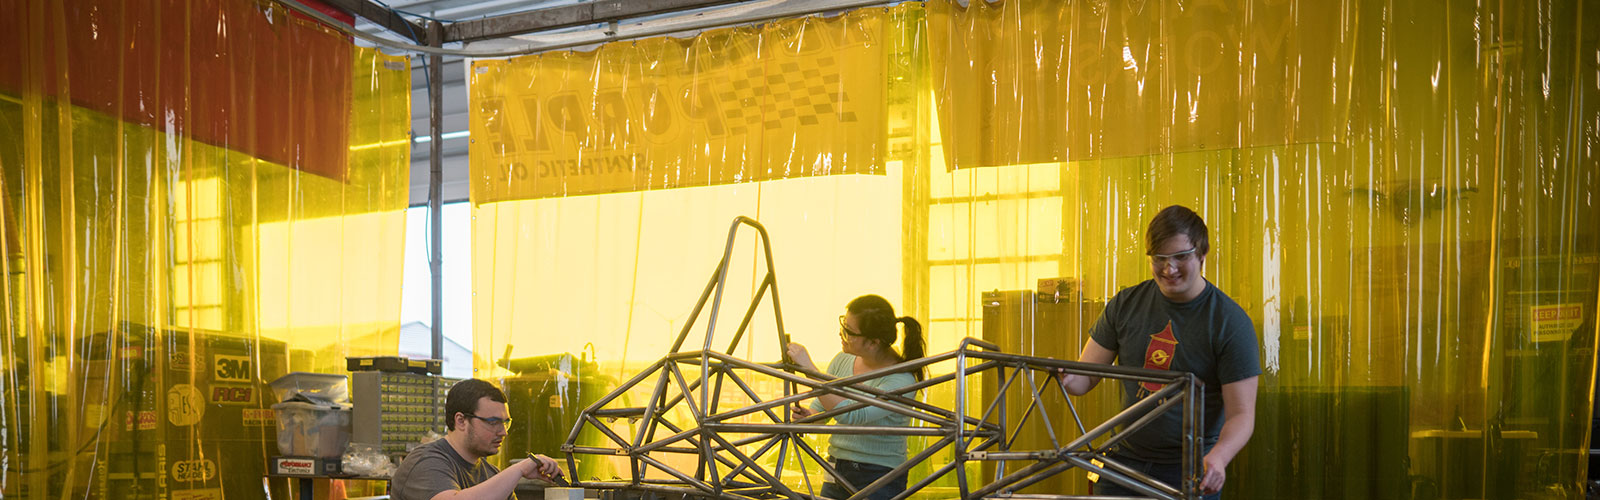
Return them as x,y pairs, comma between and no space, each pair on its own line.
867,332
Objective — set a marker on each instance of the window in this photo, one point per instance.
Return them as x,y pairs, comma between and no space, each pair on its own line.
416,313
196,272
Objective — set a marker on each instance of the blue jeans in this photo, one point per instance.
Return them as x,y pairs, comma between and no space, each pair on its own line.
860,475
1172,474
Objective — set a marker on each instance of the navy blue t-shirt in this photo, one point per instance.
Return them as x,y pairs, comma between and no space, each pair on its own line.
1209,336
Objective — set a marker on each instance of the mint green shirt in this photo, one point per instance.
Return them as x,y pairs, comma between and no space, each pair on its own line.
887,451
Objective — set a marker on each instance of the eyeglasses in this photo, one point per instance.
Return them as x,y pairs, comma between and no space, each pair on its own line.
492,421
1179,258
844,330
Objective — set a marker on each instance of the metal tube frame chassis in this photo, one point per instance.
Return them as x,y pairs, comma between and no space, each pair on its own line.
726,471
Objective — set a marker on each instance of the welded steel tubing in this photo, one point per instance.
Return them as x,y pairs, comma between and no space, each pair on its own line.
1040,496
1049,472
1001,403
647,432
1000,397
961,431
698,305
1001,483
618,412
757,455
621,441
619,391
1194,445
1081,368
974,341
827,467
928,480
749,313
684,388
1033,403
882,430
902,367
591,450
722,274
830,387
692,492
698,450
970,441
1138,408
1013,455
654,445
947,415
699,485
905,468
1071,407
1038,399
773,480
1143,421
1132,479
739,381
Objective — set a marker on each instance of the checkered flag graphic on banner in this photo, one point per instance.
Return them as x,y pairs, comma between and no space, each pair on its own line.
788,97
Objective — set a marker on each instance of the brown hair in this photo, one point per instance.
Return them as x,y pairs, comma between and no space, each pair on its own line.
1173,221
464,396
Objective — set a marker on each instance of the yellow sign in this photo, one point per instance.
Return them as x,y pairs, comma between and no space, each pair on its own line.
232,368
1034,82
185,405
232,394
1555,321
144,420
189,471
794,98
259,417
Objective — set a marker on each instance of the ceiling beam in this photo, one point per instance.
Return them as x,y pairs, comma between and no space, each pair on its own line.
599,11
382,16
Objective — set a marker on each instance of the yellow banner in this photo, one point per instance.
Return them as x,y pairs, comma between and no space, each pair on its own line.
794,98
1036,81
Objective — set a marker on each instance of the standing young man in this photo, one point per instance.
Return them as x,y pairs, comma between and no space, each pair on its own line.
453,468
1178,321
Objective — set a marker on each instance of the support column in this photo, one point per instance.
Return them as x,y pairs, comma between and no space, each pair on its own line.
435,182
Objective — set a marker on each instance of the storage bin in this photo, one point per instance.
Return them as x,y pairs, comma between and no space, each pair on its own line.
312,430
319,387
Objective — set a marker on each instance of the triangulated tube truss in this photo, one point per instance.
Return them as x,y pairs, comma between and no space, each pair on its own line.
731,444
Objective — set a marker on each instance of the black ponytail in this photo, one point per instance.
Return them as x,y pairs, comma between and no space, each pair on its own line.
877,322
913,346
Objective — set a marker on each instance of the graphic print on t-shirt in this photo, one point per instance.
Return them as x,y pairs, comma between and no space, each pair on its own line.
1158,356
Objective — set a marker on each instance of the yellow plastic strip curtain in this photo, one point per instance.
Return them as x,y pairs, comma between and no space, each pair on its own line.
1400,194
1034,82
199,197
794,98
606,282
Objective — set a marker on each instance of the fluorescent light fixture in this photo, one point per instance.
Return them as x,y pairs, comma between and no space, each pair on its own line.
446,136
414,141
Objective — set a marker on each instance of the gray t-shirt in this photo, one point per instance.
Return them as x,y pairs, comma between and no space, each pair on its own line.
434,468
1209,336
